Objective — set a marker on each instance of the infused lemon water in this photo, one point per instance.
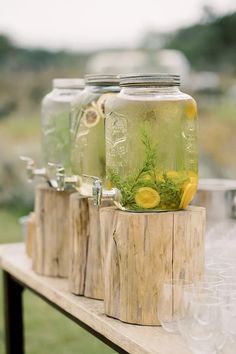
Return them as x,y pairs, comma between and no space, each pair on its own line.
88,131
88,141
151,148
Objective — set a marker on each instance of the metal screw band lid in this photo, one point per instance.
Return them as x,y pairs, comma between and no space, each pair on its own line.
68,83
102,79
155,79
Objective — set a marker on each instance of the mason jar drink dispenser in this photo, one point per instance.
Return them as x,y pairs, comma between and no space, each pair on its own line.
151,144
87,130
55,126
56,121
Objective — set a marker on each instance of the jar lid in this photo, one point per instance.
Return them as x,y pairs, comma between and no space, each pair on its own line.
149,80
68,83
102,79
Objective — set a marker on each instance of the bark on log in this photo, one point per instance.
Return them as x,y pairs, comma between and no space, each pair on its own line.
79,235
30,234
51,243
86,277
140,251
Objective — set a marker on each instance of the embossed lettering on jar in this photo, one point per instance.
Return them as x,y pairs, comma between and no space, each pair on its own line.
151,143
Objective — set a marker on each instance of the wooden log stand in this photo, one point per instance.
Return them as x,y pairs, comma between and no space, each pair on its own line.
50,256
140,251
30,234
85,275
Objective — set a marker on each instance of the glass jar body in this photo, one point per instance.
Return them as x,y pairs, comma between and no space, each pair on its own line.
56,140
151,148
88,135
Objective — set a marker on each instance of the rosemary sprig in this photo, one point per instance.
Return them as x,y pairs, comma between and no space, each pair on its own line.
168,188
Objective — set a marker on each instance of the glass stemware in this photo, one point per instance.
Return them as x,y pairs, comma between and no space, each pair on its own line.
200,323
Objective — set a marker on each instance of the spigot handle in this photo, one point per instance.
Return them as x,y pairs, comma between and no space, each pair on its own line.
63,182
29,167
33,172
97,192
57,166
96,189
27,159
60,176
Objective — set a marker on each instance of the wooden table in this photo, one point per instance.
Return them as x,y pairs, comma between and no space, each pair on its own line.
124,338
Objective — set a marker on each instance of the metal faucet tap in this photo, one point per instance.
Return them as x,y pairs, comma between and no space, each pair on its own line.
33,172
98,193
63,182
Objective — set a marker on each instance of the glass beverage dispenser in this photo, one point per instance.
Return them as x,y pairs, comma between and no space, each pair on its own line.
56,140
151,144
56,106
87,130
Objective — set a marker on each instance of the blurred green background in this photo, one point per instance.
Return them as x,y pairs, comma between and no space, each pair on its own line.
25,77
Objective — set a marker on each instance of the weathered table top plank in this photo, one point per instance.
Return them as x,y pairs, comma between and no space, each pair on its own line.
132,338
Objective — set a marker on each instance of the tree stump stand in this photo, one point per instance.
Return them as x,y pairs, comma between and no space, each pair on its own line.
140,251
30,234
79,235
50,256
86,276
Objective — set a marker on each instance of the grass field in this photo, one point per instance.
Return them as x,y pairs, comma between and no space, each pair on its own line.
47,331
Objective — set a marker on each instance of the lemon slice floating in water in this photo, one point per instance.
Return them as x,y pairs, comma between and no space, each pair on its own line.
91,117
101,103
188,195
147,198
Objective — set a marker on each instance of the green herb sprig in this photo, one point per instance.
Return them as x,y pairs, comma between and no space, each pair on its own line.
168,188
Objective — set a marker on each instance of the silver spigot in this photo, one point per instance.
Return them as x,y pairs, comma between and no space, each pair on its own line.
98,193
60,178
63,182
33,172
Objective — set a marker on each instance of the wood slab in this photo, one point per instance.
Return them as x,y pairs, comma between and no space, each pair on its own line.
132,338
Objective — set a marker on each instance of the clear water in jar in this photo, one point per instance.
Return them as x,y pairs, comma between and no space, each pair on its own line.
56,133
88,140
152,153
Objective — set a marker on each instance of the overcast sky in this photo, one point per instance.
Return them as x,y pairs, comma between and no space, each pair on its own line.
90,24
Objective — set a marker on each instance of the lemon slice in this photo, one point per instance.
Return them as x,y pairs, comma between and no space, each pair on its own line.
147,198
109,184
101,103
191,109
188,195
193,176
91,117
